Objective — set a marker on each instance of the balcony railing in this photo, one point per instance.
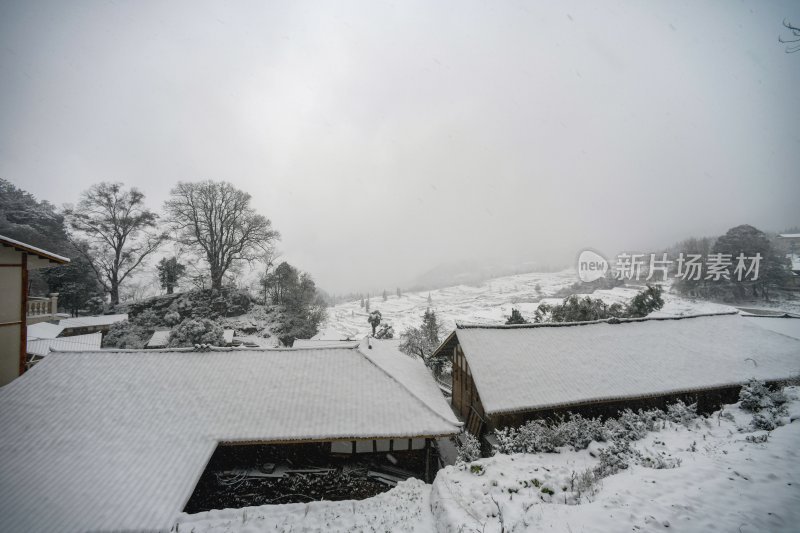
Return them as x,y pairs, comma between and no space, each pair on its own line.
42,306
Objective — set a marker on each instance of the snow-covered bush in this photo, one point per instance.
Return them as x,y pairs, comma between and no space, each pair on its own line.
767,406
755,397
657,461
127,334
172,318
197,331
629,426
764,421
578,432
757,439
615,457
533,437
469,450
680,413
539,436
584,483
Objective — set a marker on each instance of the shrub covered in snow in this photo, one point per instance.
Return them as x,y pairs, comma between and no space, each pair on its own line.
577,432
768,406
127,334
197,331
680,413
469,450
764,421
172,318
755,397
133,333
615,457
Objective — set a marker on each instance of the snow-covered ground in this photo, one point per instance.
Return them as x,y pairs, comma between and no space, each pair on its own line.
489,302
406,508
723,483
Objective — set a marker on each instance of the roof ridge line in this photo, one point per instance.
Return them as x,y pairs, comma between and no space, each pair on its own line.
415,396
612,320
206,349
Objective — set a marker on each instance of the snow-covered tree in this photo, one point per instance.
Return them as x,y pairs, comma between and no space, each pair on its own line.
516,317
169,272
374,320
424,340
216,220
645,302
119,230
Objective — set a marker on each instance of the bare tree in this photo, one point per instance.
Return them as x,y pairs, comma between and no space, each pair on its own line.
216,220
793,43
119,230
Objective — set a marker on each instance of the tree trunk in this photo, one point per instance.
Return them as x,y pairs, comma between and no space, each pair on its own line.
216,281
114,294
169,289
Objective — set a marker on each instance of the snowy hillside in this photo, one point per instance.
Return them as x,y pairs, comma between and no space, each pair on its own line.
488,302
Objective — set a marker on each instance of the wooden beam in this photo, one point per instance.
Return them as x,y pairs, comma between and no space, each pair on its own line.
23,328
428,461
332,439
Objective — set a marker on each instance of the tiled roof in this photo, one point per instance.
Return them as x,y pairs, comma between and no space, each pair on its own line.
116,440
519,368
87,321
76,343
27,248
160,339
44,330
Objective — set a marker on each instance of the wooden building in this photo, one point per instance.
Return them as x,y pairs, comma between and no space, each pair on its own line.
16,308
506,375
121,438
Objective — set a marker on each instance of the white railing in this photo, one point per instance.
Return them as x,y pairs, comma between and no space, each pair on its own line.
40,306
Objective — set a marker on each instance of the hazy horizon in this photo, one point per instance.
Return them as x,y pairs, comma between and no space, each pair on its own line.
384,140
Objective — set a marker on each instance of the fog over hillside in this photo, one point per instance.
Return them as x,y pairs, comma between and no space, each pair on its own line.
384,139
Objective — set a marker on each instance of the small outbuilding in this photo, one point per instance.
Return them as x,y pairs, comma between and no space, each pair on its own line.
39,348
81,325
17,309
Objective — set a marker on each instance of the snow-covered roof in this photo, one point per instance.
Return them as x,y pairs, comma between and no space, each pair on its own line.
318,343
44,330
87,321
160,339
785,325
790,235
410,372
50,257
117,440
76,343
520,368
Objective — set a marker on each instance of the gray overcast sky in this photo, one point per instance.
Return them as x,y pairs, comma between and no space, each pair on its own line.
385,138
